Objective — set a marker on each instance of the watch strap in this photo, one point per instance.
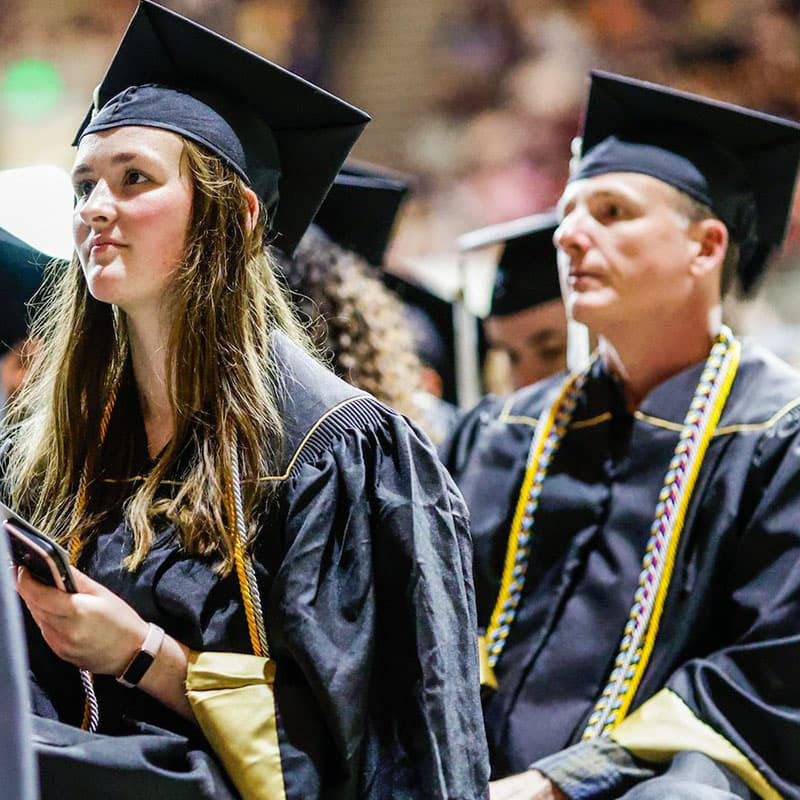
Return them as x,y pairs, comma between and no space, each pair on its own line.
143,657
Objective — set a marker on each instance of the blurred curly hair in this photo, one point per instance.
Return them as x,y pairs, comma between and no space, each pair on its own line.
357,324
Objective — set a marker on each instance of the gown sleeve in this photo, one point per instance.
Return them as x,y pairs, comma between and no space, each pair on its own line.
740,704
372,620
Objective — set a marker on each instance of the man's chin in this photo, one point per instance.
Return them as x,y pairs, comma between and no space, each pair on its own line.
590,308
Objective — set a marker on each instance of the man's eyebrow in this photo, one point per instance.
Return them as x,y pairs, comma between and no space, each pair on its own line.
546,336
119,158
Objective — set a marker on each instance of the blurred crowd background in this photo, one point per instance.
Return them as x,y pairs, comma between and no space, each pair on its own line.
478,99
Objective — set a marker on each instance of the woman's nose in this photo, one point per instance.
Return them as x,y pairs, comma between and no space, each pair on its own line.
99,206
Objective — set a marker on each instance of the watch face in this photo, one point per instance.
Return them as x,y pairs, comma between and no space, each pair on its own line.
136,669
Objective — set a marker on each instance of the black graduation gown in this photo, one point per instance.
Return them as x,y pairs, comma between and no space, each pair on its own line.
729,639
365,570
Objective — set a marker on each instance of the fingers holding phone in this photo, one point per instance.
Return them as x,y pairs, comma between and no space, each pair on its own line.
92,628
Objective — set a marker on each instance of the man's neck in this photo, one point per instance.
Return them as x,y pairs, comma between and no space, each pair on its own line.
647,356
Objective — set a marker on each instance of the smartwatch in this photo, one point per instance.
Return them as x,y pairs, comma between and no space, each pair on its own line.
143,657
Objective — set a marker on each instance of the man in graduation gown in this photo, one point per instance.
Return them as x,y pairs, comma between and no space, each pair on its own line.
636,525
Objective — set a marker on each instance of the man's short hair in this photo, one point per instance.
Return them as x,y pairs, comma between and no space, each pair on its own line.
696,211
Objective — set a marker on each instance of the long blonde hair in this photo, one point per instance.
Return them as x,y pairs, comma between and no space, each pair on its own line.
222,378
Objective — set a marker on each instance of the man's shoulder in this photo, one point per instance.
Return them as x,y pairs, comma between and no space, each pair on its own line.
524,406
498,424
765,392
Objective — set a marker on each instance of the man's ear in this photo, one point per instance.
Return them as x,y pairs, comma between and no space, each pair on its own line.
711,240
252,204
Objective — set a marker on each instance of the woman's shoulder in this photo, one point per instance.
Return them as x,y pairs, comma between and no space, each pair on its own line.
318,407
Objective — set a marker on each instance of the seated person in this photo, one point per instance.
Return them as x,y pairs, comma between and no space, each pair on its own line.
220,492
636,525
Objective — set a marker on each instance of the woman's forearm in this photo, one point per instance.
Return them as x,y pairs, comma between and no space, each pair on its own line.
165,679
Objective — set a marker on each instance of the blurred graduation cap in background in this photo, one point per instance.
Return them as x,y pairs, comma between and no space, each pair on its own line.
740,163
284,136
21,274
527,269
361,208
433,322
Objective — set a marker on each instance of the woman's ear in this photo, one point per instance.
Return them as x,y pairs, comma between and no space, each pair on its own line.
711,239
252,205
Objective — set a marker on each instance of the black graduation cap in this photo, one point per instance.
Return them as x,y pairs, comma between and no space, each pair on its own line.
282,134
21,273
432,319
741,163
527,270
360,209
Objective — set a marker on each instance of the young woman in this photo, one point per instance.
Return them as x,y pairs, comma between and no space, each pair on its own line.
174,432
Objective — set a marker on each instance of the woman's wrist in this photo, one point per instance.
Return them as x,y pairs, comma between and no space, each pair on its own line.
143,657
165,679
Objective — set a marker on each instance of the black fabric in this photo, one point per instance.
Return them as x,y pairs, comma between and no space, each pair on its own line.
692,776
21,275
360,210
17,766
731,624
739,162
527,272
147,762
258,116
596,769
365,571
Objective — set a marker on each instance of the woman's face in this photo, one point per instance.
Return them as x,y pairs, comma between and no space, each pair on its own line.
134,203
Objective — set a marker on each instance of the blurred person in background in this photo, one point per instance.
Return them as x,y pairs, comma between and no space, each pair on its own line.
635,526
21,274
431,320
526,318
357,324
370,324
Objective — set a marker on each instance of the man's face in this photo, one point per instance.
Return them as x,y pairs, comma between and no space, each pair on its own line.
535,340
627,250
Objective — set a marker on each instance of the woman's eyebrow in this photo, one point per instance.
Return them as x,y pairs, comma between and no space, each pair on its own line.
119,158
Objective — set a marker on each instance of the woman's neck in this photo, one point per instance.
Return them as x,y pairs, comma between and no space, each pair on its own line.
148,334
643,359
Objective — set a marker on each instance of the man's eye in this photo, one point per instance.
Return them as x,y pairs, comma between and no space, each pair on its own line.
553,353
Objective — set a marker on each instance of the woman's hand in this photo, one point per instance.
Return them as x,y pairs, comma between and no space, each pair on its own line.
93,629
97,630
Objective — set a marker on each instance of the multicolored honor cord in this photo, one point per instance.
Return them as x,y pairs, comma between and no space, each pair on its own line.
673,501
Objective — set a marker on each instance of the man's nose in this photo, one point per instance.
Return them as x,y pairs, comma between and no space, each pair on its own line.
571,235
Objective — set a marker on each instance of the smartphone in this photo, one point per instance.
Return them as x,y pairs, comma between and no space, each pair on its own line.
47,561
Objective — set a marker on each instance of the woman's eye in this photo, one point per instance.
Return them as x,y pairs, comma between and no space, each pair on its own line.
83,189
133,177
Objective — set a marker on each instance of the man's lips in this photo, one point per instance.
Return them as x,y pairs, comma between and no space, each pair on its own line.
579,277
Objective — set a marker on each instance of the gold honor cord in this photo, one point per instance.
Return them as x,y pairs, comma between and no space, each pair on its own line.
91,708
